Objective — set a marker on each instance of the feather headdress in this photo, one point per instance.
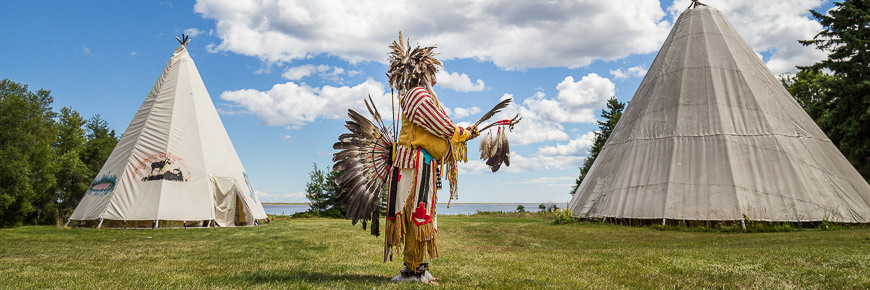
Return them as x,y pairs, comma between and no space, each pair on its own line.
411,68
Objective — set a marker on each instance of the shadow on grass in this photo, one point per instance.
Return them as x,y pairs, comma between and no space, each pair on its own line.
278,276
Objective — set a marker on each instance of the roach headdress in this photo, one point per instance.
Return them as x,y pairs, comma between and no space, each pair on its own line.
411,68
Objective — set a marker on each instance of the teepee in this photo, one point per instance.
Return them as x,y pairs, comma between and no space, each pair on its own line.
174,164
712,135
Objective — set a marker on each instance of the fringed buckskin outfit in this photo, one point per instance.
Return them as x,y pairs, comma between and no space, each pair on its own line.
424,142
428,147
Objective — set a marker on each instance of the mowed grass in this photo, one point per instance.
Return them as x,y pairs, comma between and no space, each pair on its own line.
476,252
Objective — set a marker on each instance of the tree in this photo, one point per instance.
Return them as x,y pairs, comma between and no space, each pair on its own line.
101,141
26,156
324,194
810,88
610,117
81,155
843,111
72,175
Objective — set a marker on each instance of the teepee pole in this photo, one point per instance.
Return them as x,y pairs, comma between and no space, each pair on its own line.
100,224
155,224
67,222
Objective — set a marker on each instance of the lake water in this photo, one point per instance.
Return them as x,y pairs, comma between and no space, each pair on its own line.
456,208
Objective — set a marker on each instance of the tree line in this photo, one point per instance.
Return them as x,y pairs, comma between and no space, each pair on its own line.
48,159
835,92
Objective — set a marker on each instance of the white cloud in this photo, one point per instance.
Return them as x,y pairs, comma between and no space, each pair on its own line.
85,50
332,73
576,147
558,157
511,34
299,72
532,129
132,53
592,89
543,117
543,162
576,102
230,109
298,104
460,113
193,31
771,26
458,82
632,72
520,163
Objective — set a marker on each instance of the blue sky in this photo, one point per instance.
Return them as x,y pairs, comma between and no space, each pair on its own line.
267,64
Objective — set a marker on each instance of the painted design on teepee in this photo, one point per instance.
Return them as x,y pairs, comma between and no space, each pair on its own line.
162,166
103,185
250,187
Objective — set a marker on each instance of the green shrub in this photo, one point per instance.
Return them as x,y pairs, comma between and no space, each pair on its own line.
562,216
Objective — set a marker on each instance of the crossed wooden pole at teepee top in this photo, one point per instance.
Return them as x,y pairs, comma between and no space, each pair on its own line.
184,39
696,3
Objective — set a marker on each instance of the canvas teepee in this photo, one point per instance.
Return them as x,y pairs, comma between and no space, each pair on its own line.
174,163
711,134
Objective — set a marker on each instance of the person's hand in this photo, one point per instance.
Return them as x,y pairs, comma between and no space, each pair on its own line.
474,132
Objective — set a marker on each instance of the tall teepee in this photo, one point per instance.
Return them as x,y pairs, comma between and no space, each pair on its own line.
711,134
175,161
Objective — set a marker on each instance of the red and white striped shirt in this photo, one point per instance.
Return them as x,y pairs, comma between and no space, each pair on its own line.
420,108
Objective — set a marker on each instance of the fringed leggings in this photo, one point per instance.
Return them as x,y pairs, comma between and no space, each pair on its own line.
415,225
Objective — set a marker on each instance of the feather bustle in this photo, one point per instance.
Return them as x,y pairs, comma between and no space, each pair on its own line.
363,157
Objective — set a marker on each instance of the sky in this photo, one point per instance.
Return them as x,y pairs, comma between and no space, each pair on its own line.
282,74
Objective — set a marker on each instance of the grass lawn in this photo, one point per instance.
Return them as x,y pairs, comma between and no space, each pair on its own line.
476,252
